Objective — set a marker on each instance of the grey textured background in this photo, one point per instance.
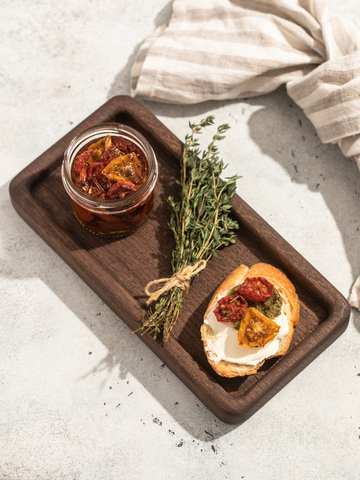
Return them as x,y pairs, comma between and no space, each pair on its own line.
80,398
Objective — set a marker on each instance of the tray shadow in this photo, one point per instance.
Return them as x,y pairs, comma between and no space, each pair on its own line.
146,255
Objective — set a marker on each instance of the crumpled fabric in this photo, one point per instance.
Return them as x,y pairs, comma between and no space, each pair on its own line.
228,49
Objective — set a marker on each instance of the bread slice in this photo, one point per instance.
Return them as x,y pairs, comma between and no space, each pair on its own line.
291,308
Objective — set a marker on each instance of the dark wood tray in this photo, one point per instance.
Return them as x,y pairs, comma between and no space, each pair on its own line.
39,198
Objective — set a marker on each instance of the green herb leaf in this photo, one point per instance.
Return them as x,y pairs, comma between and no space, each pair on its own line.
201,221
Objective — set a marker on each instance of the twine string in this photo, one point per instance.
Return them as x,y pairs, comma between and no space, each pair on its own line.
180,279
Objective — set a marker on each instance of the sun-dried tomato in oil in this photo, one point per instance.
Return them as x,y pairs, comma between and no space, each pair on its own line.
110,169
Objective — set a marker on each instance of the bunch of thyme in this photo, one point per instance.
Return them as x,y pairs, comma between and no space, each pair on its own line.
201,221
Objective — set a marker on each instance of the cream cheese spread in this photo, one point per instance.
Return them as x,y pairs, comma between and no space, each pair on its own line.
226,345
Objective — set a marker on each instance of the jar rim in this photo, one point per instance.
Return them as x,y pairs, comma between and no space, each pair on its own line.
89,135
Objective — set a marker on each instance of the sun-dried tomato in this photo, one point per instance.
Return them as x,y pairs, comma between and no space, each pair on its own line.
125,167
81,167
126,146
256,330
83,215
256,289
230,308
121,189
94,170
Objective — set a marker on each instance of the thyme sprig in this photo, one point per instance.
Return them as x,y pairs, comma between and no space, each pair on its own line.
200,221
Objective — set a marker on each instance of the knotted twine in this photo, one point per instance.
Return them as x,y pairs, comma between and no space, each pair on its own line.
180,279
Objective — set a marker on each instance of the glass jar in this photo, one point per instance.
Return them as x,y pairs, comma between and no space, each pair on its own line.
119,217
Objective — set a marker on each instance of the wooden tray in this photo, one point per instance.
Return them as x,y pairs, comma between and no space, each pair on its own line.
119,279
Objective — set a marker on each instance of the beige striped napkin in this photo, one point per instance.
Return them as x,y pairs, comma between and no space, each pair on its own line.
226,49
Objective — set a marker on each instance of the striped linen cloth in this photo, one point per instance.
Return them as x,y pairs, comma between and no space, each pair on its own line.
227,49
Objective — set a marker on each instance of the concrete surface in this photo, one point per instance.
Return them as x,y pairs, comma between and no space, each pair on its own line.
80,398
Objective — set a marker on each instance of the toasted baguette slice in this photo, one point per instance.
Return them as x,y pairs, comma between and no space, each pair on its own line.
291,308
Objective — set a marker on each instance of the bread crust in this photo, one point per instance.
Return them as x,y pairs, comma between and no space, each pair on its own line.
291,307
